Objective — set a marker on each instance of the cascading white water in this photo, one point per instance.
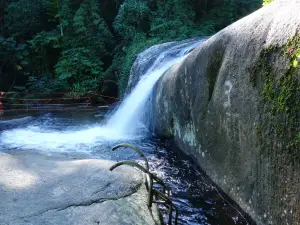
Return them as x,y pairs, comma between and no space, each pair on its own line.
126,123
128,119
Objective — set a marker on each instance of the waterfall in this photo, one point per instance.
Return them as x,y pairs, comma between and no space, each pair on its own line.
131,116
128,122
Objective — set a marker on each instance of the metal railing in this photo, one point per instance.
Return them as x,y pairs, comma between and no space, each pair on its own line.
154,195
56,101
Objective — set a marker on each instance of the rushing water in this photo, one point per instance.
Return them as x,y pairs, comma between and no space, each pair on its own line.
198,200
127,122
134,105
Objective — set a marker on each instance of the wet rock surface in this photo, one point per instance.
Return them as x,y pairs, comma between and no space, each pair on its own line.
213,106
52,188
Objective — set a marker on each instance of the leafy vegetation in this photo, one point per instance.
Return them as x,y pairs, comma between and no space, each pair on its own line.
83,46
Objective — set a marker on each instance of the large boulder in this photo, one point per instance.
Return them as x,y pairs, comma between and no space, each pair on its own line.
39,188
233,104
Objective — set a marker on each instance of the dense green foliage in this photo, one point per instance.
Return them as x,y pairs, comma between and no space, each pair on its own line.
84,46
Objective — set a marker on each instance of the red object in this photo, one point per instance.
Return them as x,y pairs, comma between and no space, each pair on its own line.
1,104
291,51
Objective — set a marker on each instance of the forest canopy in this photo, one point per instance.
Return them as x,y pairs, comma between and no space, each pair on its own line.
87,46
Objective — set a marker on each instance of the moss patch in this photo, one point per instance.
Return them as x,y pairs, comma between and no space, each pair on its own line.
280,123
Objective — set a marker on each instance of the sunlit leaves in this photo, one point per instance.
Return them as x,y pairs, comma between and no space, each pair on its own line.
266,2
79,65
133,17
295,63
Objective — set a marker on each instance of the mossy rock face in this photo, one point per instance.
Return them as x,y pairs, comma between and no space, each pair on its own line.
235,106
281,95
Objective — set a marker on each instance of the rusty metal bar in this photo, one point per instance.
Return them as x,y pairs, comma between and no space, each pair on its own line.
148,174
137,150
169,202
141,154
165,200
